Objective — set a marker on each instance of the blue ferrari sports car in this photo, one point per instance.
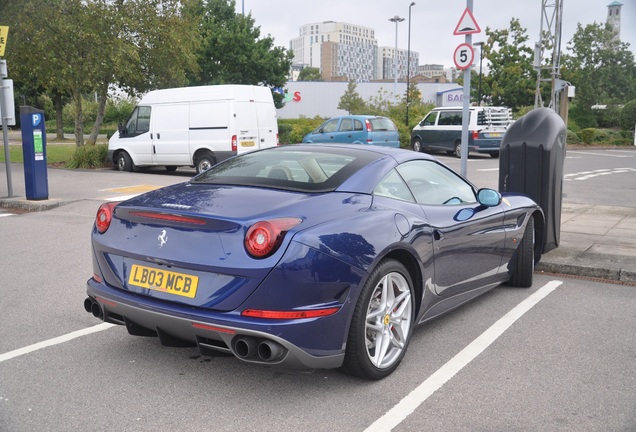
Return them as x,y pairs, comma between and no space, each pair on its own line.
308,256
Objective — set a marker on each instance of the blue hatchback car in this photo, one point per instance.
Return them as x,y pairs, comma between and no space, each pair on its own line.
356,129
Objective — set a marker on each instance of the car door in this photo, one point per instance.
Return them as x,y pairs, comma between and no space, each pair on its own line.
426,131
345,131
170,134
468,238
449,129
327,132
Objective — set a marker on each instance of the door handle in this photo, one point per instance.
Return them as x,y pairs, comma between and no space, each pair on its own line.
437,235
158,136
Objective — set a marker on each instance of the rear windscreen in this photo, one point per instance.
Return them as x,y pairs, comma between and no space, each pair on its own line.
298,168
381,124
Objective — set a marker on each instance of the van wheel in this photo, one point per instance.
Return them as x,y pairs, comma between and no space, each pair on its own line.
124,162
417,145
458,149
171,168
204,162
494,155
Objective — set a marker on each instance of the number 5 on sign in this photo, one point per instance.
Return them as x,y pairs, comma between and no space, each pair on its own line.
464,56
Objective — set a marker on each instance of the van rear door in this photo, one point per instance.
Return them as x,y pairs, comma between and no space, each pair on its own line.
267,125
246,126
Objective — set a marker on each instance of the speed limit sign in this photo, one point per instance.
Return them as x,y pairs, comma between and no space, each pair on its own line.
464,56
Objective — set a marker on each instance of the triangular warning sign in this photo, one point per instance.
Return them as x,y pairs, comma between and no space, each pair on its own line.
467,24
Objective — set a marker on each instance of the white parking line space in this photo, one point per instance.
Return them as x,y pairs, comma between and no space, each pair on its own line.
6,214
488,169
586,175
417,397
55,341
606,154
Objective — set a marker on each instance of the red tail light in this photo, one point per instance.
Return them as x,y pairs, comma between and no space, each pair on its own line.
263,238
475,135
369,128
234,143
297,314
104,216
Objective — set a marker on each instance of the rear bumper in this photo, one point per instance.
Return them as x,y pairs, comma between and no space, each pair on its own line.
211,332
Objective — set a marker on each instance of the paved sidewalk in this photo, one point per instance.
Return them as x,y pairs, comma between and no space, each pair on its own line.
595,240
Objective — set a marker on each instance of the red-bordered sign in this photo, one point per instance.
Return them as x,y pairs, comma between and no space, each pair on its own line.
467,24
464,56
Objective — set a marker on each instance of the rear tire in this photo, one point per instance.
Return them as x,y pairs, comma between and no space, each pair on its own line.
171,168
524,259
124,162
382,323
494,155
204,162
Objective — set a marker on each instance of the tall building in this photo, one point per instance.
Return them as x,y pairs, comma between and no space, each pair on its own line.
385,67
614,18
350,50
344,51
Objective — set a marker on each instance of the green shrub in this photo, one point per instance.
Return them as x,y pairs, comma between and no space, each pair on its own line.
89,156
602,136
572,137
587,135
628,116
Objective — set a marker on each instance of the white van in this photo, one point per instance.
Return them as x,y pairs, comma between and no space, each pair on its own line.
195,126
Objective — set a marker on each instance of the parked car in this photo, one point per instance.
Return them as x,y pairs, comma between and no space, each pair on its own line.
441,129
356,129
308,256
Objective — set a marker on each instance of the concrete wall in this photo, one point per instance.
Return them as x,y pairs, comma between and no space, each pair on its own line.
314,98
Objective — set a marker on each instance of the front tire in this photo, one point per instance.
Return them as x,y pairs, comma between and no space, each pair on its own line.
124,162
382,323
417,145
457,151
524,259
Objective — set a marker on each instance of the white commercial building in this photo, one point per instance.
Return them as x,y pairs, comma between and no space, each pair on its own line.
317,98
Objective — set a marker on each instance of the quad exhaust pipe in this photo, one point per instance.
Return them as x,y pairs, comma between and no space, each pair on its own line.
249,348
91,306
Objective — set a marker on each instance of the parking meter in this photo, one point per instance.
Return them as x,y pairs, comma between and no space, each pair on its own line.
34,152
531,161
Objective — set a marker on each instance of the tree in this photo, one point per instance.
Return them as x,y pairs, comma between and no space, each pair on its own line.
82,47
232,49
602,69
351,101
511,79
310,74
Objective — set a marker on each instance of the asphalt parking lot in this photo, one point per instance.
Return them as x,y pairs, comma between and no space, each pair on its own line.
558,356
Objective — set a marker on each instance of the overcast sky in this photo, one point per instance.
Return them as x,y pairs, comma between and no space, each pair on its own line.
432,22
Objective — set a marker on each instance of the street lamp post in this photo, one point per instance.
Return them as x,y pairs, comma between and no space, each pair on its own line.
408,66
481,57
396,19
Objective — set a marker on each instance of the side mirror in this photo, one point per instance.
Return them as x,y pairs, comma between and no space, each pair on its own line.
488,197
121,129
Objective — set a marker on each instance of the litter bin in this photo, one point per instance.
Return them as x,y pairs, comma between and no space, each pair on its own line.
531,162
34,153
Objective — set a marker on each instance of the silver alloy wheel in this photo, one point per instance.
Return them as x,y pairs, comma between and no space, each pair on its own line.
121,163
388,320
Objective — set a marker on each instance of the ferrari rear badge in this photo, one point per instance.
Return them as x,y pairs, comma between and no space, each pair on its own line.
163,238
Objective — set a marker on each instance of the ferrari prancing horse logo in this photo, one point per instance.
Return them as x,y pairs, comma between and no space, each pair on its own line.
163,238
